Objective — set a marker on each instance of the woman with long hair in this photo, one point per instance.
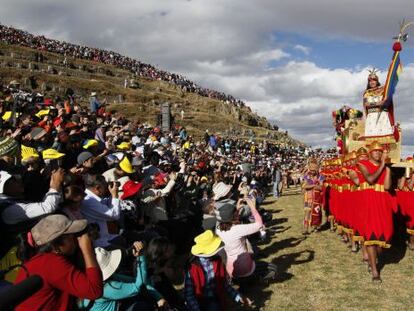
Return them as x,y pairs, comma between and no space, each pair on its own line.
162,269
378,120
124,292
239,259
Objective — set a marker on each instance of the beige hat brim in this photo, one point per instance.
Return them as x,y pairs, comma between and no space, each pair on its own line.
76,226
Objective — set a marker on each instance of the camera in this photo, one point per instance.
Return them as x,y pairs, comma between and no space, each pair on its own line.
112,183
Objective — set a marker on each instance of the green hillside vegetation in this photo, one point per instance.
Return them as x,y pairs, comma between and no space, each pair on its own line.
52,77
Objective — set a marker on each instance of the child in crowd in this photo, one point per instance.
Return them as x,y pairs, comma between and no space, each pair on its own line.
206,280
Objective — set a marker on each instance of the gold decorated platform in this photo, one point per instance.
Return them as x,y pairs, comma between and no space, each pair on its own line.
353,138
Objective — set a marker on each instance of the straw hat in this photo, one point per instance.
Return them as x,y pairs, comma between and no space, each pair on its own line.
221,190
108,261
207,244
53,226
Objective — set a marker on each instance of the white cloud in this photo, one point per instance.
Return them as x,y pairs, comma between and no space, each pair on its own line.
304,49
263,57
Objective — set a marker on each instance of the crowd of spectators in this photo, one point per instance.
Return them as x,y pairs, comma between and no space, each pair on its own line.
104,209
10,35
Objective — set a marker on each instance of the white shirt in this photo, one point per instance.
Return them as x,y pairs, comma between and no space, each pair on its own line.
154,204
99,211
18,211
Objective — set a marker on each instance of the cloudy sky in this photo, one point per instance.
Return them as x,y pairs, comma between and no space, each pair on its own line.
291,61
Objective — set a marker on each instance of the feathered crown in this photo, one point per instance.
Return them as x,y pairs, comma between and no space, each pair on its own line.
373,74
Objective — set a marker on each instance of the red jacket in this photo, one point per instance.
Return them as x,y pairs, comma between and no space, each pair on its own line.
62,281
198,280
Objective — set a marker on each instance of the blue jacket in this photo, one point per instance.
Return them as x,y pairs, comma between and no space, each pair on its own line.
94,104
119,287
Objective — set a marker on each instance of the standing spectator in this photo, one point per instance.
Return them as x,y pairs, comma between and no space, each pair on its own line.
96,208
277,180
95,105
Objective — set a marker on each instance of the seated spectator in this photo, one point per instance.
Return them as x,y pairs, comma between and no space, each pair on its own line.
154,198
240,262
205,279
162,268
121,292
49,246
85,163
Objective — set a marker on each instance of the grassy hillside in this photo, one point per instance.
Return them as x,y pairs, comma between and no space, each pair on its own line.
52,78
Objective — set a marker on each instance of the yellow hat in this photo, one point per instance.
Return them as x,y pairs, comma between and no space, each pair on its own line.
207,244
124,146
126,166
352,155
362,151
90,143
42,112
51,154
204,178
7,115
28,152
375,146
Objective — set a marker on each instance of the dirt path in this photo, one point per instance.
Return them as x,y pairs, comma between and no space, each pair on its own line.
318,272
